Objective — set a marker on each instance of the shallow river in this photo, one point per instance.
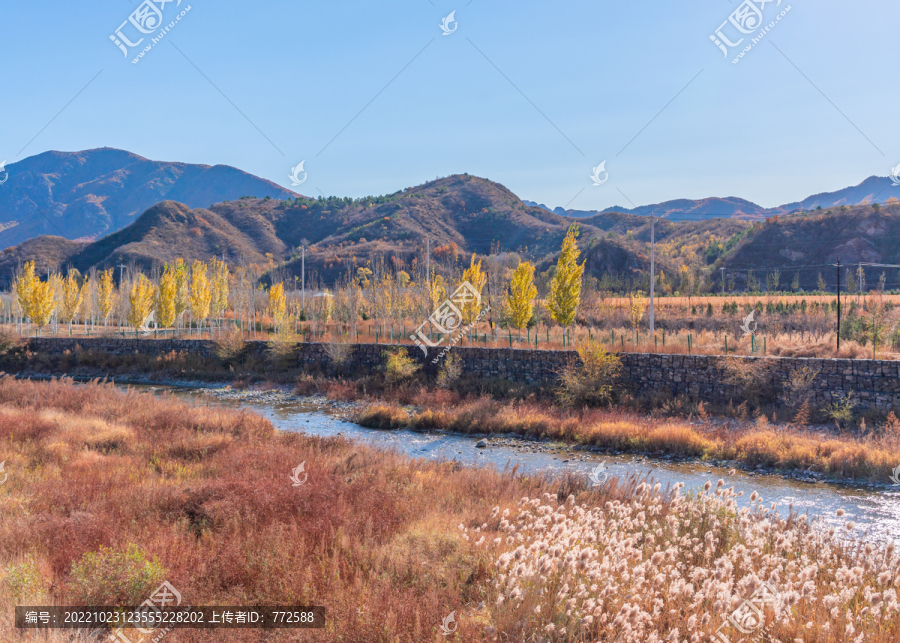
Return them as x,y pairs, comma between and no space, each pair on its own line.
875,512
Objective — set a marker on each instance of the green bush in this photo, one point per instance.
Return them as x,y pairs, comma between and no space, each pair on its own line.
841,411
398,365
108,577
23,580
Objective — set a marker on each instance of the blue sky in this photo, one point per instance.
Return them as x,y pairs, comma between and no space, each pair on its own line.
529,94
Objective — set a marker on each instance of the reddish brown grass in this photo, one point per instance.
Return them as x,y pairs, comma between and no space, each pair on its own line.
371,536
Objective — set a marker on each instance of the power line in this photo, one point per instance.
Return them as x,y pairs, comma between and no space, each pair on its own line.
42,213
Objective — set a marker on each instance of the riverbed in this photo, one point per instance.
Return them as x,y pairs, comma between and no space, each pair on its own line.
875,512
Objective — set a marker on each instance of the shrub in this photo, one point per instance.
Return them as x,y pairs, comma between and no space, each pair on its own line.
107,577
230,344
841,411
450,371
383,416
338,352
589,381
23,580
9,340
281,349
797,390
892,426
398,365
752,376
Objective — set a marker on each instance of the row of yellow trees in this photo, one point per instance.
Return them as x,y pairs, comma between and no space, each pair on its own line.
203,293
394,296
201,290
565,288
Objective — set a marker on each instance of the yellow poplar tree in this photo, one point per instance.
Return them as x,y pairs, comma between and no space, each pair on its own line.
165,297
477,278
565,288
383,296
14,306
362,276
87,299
278,305
219,287
201,293
106,295
71,299
141,298
57,282
182,298
637,308
41,303
24,286
325,307
437,292
522,292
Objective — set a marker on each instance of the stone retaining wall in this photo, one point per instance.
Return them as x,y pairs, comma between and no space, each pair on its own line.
874,383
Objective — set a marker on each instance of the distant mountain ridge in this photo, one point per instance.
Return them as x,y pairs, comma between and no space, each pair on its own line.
462,215
121,208
92,193
873,189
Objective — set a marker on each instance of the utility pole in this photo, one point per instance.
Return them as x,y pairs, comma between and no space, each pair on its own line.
652,273
838,307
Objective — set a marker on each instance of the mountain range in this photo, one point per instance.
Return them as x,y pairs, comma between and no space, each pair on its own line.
117,208
873,189
89,194
460,215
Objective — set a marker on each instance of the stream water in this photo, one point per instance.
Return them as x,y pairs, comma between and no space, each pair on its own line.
876,512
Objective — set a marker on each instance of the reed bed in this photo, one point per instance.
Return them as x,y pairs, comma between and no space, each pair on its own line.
667,566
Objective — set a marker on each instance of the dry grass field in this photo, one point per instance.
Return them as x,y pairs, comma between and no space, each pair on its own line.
109,493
